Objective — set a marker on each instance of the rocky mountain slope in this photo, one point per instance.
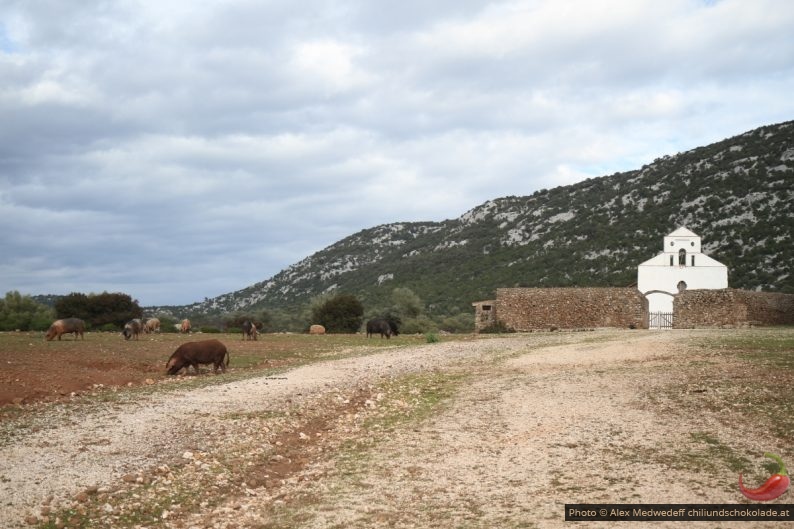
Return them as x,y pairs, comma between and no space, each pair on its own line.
738,194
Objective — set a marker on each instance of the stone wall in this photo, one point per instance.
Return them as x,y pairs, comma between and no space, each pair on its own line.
731,307
527,309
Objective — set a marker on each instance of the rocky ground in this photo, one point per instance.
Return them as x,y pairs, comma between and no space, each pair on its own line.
497,432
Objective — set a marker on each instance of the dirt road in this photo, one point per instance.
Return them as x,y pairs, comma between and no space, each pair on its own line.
498,432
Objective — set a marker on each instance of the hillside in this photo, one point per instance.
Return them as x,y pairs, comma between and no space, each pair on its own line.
738,194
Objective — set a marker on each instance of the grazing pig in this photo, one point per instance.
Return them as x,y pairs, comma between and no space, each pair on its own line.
66,326
316,329
152,325
184,327
132,329
249,330
195,353
380,326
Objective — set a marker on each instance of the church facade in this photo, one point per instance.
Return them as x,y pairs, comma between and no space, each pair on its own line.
681,266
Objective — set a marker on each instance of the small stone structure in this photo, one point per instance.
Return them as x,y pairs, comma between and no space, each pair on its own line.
529,309
731,307
485,314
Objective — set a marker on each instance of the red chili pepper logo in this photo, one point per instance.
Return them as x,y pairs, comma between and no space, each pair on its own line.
774,486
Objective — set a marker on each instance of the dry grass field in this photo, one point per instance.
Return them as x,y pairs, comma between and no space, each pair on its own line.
35,370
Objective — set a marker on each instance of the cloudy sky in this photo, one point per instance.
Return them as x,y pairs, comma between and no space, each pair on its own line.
176,150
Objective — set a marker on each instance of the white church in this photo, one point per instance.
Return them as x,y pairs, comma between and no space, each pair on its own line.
679,267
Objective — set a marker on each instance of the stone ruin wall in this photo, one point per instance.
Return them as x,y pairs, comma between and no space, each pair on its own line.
528,309
731,307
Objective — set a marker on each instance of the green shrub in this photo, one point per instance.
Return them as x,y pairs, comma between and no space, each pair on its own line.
341,314
18,312
498,327
431,337
210,330
419,325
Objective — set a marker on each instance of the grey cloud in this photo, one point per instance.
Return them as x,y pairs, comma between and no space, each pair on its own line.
196,149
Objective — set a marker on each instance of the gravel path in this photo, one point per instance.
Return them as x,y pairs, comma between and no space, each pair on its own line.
539,421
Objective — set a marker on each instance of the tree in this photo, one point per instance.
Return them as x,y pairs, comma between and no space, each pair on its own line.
405,303
18,312
74,305
340,314
98,310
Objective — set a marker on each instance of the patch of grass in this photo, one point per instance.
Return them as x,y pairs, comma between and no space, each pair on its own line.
768,347
711,450
252,415
397,403
770,382
413,398
749,372
706,455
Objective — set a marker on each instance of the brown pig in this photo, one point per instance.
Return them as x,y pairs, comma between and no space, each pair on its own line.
195,353
66,326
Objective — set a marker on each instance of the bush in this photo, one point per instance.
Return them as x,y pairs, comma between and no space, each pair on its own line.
431,337
342,313
210,330
498,327
460,323
419,325
167,324
18,312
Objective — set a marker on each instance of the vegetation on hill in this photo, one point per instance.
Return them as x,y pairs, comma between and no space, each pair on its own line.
738,194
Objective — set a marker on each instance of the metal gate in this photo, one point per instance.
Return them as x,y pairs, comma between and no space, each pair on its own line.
660,320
